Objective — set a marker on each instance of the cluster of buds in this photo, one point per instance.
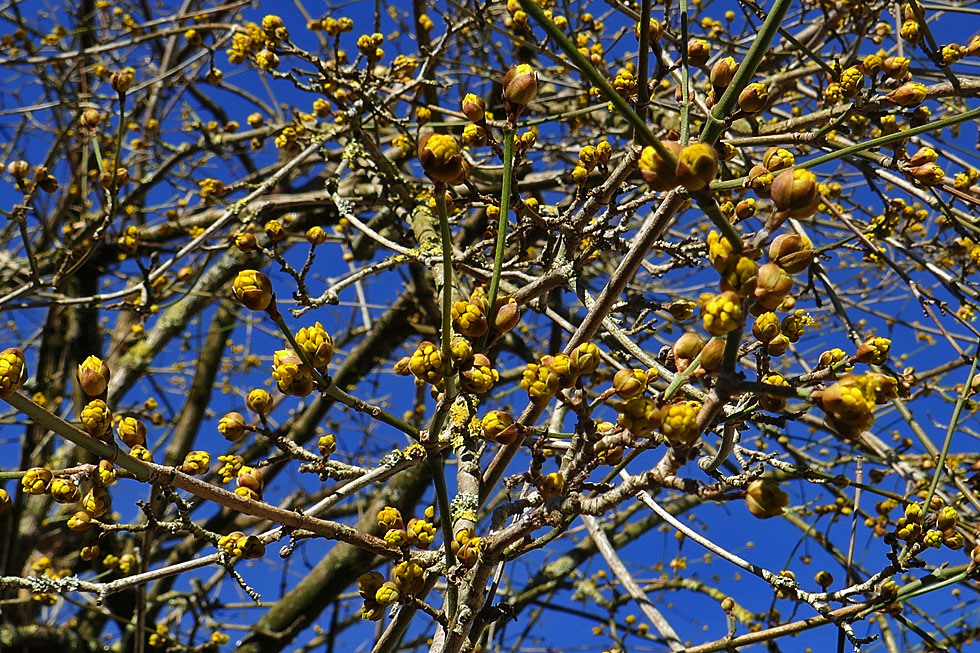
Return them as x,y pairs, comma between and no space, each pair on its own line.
922,167
689,346
13,371
250,483
679,424
588,158
370,46
240,545
196,463
479,377
466,546
426,363
368,585
693,167
470,317
36,480
419,532
65,490
230,466
849,403
333,27
722,313
873,351
543,380
96,418
640,416
540,382
794,325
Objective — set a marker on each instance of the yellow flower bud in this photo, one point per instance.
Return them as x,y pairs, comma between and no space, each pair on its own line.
440,158
764,499
253,289
520,85
722,313
13,371
697,165
96,418
317,344
909,94
795,192
93,376
291,374
131,431
657,173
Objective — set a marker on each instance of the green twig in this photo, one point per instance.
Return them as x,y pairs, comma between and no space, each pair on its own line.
715,124
685,78
447,291
505,192
594,76
953,421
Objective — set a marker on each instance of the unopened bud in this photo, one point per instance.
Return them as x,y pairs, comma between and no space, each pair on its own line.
697,166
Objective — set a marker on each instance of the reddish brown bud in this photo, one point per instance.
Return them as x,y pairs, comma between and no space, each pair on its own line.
772,286
520,85
795,191
698,52
791,252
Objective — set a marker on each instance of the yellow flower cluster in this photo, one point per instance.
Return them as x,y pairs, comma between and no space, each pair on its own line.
722,313
240,545
427,364
679,425
291,374
317,344
13,371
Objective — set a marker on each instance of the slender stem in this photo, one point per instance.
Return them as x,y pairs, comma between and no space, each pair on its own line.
644,56
435,462
446,525
685,78
505,192
447,291
113,191
715,124
866,145
953,421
